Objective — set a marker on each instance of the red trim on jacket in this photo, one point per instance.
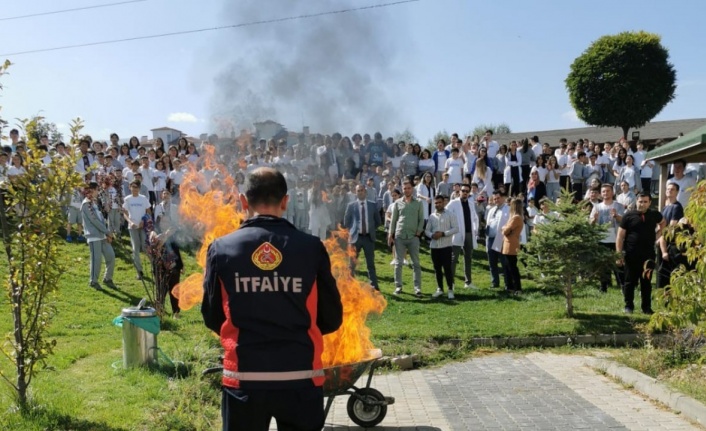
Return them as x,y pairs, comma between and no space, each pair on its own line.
229,341
315,333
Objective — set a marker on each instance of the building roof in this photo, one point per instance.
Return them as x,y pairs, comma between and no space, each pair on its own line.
691,147
267,122
654,131
165,128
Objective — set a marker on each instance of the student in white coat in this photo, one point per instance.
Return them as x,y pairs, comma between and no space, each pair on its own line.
465,239
495,219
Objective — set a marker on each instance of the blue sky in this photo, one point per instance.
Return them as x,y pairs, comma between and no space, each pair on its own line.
426,66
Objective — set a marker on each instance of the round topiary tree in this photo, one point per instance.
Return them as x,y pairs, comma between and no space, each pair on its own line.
622,80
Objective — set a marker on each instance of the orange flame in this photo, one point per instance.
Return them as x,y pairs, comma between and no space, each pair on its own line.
351,342
211,210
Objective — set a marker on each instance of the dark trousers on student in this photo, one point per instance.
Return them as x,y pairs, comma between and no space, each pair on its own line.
512,273
467,250
577,190
493,258
634,274
441,259
252,410
609,269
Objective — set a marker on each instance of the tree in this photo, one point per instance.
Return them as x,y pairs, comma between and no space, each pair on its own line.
30,216
498,129
407,136
685,300
45,128
441,134
622,81
566,251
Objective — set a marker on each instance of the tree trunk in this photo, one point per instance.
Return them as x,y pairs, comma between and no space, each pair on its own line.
569,298
625,131
18,328
20,347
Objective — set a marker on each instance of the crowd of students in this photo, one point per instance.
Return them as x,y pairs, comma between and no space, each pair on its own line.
139,189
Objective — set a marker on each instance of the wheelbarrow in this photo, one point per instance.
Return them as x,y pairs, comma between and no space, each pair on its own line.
366,406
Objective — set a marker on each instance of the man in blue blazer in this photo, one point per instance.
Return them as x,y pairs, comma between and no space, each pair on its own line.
362,218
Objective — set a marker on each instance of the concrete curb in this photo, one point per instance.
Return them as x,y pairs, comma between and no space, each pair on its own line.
652,388
554,341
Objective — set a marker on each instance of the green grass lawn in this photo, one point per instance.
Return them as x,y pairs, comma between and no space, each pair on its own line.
83,386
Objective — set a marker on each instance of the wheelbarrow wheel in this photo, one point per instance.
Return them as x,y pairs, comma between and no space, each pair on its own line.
364,408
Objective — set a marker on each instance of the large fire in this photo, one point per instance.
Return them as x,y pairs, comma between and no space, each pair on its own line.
210,207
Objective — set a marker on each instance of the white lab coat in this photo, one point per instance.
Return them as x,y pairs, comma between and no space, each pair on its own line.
456,209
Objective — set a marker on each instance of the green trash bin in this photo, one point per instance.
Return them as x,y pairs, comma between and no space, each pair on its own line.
140,329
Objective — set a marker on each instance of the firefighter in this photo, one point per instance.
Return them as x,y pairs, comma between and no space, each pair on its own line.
270,295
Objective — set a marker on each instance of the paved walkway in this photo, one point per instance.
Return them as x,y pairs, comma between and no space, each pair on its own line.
537,391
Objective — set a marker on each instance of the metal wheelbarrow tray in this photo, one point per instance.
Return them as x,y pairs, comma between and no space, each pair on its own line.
366,407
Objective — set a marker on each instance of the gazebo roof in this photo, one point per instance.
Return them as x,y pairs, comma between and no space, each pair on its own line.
691,147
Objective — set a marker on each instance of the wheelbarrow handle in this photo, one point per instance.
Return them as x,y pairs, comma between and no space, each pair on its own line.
212,370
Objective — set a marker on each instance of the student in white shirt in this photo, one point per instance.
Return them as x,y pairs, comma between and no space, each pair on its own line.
135,206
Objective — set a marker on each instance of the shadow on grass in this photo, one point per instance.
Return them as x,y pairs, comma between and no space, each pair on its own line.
53,420
120,295
606,323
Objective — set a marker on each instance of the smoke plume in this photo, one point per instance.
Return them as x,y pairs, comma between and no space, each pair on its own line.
332,72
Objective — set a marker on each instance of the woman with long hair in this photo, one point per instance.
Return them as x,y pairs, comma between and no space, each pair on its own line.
191,154
483,177
511,245
123,154
319,217
426,164
553,185
536,189
396,158
513,170
619,162
628,173
426,190
541,168
134,144
350,172
17,167
168,166
364,173
182,146
417,150
345,152
158,143
159,177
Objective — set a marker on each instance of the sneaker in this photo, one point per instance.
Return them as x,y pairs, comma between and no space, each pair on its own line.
80,238
397,291
110,284
95,285
176,316
394,262
649,312
627,310
469,286
69,239
418,293
451,294
437,294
